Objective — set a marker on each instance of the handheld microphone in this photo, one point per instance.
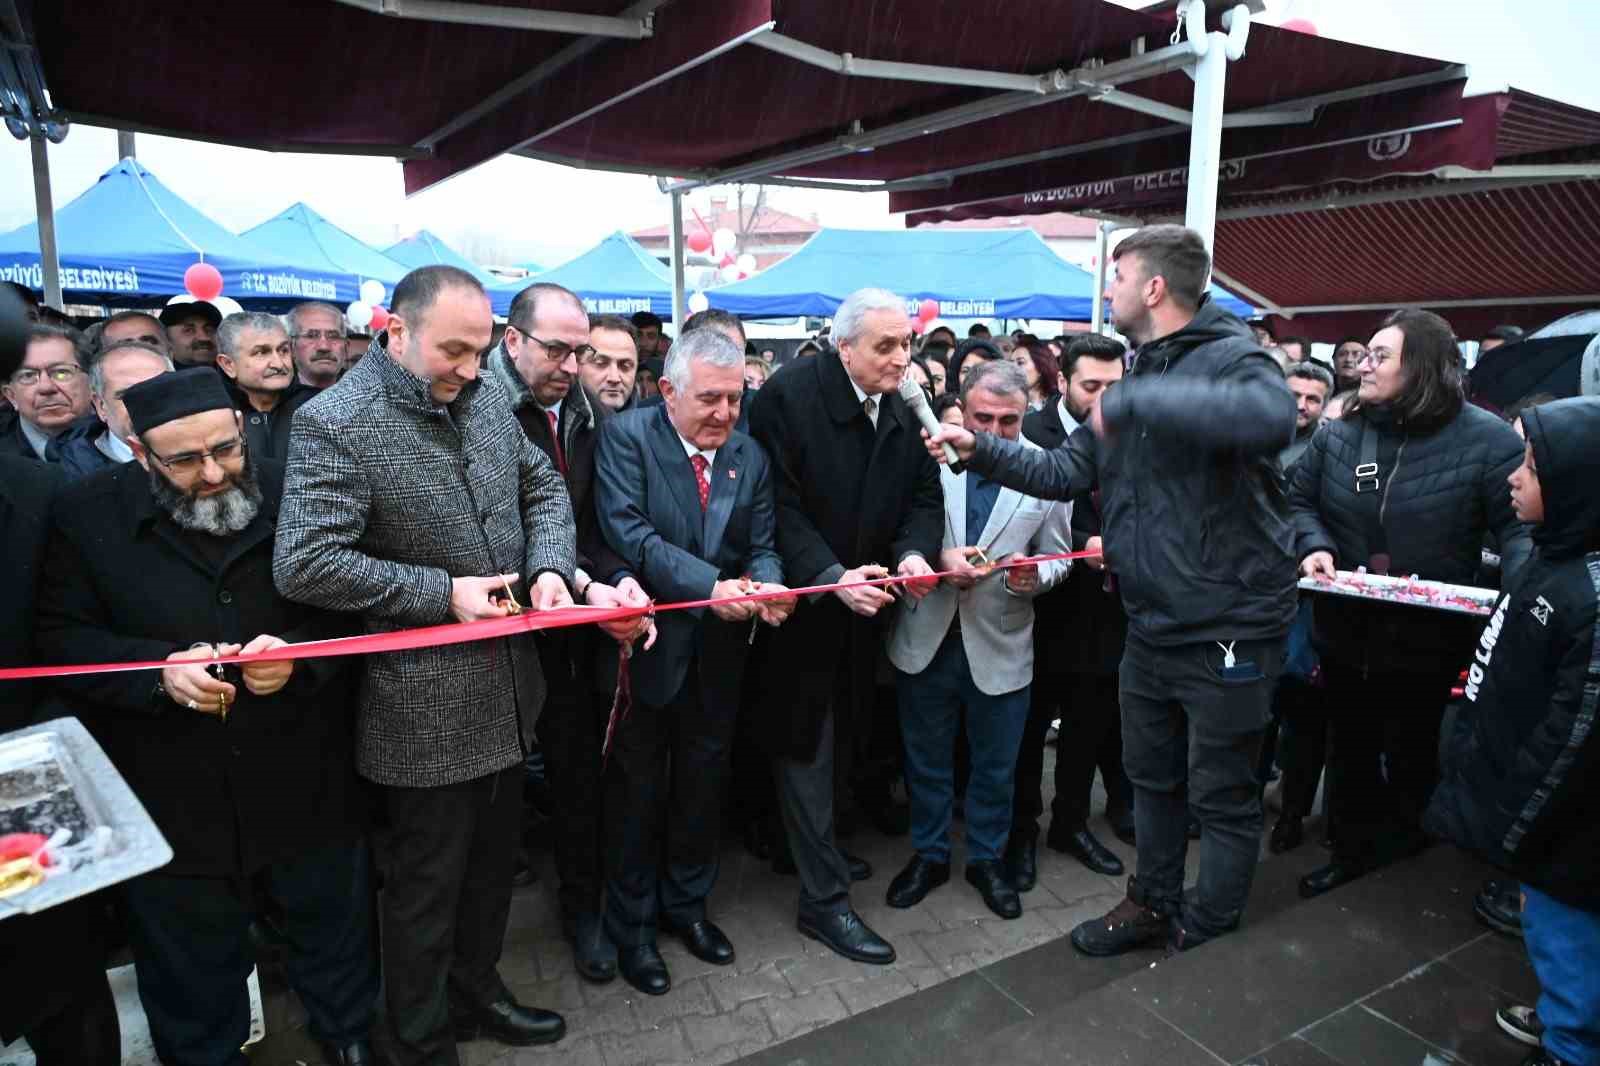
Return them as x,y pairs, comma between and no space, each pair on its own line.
913,395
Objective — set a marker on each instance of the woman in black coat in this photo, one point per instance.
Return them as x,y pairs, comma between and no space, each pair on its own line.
1409,481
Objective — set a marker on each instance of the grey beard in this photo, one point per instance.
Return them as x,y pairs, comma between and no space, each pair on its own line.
219,515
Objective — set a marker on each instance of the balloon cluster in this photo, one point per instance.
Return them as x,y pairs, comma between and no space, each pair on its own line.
722,247
369,312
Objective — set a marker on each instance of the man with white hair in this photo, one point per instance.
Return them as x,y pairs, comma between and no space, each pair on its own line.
317,330
857,499
687,500
119,366
257,362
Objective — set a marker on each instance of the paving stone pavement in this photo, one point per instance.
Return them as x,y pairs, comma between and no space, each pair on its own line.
782,984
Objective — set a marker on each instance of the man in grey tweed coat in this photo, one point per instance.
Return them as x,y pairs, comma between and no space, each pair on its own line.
412,498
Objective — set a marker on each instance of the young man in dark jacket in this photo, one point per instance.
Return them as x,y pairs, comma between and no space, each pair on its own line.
1519,777
1184,452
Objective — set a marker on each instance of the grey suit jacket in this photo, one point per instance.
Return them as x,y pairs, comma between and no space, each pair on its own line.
387,497
649,511
996,623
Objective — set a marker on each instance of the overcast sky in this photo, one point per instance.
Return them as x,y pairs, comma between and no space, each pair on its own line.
1544,46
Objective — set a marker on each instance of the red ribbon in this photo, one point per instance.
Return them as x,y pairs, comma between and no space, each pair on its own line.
486,629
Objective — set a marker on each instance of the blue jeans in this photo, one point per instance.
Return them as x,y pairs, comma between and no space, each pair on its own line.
930,706
1564,943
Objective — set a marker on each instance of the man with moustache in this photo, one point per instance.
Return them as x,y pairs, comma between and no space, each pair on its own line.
317,330
49,392
1347,356
857,499
103,442
255,356
610,370
192,332
170,557
413,498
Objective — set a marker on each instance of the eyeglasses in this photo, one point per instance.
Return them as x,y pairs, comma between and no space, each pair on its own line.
189,462
61,373
558,351
1376,356
320,335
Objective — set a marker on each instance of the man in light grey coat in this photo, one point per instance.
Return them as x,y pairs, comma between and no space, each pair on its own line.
968,646
413,498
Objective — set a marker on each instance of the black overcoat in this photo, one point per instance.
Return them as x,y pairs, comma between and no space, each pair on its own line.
275,778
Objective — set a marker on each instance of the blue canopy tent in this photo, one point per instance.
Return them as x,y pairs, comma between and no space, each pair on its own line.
300,235
127,240
424,249
617,277
972,273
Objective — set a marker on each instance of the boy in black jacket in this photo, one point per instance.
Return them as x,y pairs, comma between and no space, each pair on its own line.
1519,782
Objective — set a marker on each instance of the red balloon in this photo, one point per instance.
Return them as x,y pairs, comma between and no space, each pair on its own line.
699,241
928,310
918,325
1299,26
380,318
203,281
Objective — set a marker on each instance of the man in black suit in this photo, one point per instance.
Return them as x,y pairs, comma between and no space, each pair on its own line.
858,499
1078,640
687,500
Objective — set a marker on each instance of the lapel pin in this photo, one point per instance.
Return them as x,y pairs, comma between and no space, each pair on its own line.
732,474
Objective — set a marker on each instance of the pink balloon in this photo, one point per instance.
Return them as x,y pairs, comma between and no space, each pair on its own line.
928,310
203,281
918,325
727,260
1300,26
380,318
699,241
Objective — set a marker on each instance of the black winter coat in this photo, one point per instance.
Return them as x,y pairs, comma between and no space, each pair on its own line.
275,778
267,432
846,496
26,486
1441,490
1196,522
1521,772
1078,627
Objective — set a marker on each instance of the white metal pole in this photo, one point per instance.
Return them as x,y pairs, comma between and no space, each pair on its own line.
1102,251
1205,138
677,264
49,259
125,148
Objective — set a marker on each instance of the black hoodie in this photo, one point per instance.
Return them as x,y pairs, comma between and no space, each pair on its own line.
1521,772
1195,517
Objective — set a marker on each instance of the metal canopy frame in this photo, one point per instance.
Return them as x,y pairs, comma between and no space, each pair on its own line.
497,16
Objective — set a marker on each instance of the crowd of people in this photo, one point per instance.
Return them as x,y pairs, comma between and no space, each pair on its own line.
1091,543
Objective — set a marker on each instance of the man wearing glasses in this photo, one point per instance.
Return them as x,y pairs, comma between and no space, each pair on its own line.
248,770
538,364
317,330
49,392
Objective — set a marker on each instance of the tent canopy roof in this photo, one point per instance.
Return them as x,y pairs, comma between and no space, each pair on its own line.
973,273
616,276
423,248
299,234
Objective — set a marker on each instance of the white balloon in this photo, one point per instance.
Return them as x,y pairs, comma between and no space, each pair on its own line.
181,298
729,272
746,263
698,303
227,305
359,314
723,242
372,292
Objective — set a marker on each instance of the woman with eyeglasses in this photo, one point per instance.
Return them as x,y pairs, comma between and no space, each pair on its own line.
1409,481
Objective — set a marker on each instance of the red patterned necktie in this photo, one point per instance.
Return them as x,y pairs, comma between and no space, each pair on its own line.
701,480
555,439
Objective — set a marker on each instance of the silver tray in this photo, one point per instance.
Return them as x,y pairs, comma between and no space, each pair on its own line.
130,843
1484,599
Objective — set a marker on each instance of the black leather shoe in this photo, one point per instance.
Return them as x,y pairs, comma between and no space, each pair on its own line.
1122,825
593,954
508,1022
1128,926
783,865
1330,877
644,969
1499,906
913,883
1083,846
990,880
1287,834
705,941
1022,859
848,935
860,869
359,1053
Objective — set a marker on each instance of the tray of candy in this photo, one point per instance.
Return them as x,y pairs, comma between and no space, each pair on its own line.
1410,591
58,789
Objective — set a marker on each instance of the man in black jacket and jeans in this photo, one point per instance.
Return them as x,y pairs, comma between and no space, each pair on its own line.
1197,534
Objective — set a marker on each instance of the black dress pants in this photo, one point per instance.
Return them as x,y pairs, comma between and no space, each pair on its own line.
447,860
1302,714
1090,737
572,730
69,1017
664,792
192,954
1384,762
